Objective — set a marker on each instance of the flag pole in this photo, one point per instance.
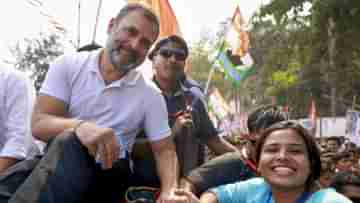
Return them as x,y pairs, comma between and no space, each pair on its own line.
320,130
211,73
78,24
220,50
96,20
212,70
354,102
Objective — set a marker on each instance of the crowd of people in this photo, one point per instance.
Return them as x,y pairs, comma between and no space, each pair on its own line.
108,127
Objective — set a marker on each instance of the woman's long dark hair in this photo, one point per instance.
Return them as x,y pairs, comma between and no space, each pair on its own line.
311,147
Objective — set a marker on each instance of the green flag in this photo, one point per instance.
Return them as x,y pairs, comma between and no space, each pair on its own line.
233,57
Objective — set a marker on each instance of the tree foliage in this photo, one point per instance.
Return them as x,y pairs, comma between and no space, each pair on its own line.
292,44
35,54
302,50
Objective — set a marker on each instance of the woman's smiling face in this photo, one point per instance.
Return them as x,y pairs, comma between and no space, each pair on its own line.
284,160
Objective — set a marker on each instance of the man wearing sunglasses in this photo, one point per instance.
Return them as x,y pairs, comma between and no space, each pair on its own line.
188,117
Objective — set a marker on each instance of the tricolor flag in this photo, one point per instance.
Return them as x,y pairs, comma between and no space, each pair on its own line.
233,57
218,105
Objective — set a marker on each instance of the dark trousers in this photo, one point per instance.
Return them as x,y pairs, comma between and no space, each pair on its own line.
67,173
13,177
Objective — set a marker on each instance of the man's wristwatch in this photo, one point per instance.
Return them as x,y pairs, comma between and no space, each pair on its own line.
78,125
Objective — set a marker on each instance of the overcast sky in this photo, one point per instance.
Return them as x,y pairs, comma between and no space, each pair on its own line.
20,18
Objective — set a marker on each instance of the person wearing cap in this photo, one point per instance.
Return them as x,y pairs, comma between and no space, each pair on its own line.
191,126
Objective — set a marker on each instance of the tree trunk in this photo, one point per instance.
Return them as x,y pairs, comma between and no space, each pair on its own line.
332,66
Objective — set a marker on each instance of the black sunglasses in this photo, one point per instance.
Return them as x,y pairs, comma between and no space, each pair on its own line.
178,53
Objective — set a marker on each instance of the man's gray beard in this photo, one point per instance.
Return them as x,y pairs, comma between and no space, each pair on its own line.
124,68
113,52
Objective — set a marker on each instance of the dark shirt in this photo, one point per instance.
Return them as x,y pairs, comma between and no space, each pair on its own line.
189,143
227,168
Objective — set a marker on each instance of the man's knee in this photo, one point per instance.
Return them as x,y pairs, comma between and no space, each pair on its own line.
67,151
65,172
67,140
63,139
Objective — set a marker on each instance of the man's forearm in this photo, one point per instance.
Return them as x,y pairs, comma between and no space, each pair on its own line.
45,126
6,162
167,165
220,146
168,170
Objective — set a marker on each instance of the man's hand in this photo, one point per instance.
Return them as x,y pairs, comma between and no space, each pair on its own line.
183,121
167,169
189,196
171,197
100,142
207,197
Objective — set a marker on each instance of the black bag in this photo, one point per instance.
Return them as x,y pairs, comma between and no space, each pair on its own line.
141,195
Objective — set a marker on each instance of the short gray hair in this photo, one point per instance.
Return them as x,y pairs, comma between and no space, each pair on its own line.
145,11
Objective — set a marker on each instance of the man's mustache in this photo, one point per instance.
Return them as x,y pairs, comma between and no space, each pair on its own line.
132,54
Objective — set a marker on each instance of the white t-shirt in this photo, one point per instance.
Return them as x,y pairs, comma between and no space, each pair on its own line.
16,104
127,105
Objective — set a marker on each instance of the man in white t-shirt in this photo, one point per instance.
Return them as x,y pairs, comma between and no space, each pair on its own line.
103,103
18,149
16,103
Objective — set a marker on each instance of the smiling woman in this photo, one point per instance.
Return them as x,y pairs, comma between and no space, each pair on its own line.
288,157
289,163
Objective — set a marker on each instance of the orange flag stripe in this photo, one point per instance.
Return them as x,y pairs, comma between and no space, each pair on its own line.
162,8
238,23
